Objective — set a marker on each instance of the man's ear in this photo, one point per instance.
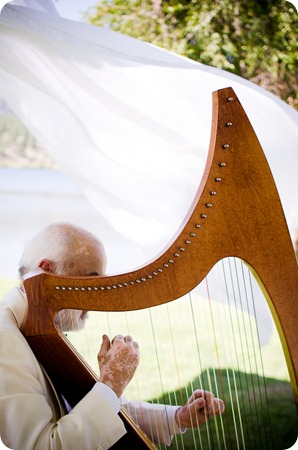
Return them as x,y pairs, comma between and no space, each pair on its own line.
47,265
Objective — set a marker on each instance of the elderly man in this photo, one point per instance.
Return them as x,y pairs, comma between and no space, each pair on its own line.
32,414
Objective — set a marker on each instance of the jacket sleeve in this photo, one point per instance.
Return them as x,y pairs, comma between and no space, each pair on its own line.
157,420
27,421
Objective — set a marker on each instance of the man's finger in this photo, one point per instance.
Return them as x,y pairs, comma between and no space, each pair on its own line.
219,406
105,346
198,393
209,397
118,337
199,403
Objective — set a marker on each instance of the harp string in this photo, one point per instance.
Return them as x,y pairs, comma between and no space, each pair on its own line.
242,324
269,441
236,412
159,377
208,341
200,365
218,365
259,363
178,349
196,432
178,397
252,365
246,363
209,382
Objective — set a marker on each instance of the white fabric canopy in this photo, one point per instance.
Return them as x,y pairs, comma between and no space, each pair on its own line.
129,122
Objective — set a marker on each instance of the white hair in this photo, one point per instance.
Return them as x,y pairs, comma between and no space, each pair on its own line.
56,243
64,245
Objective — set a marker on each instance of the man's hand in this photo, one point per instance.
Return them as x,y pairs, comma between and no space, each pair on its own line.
199,407
118,361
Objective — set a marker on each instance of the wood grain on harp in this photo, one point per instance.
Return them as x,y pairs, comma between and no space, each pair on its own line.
236,212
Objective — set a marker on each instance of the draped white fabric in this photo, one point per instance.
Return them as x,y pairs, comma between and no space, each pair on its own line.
129,122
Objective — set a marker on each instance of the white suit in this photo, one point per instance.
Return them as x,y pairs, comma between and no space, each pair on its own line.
33,417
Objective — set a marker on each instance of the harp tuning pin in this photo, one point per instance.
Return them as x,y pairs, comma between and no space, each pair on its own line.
229,124
198,225
218,180
222,164
230,99
225,146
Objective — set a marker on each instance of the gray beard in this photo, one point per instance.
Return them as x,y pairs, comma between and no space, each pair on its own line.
70,320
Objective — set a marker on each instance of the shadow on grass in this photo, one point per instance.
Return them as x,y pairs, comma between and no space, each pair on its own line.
260,413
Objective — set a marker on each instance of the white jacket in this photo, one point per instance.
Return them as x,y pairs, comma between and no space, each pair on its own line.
32,417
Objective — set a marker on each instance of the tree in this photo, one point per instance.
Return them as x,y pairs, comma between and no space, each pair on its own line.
255,39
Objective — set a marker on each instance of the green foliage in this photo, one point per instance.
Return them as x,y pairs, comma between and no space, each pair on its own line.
256,39
18,148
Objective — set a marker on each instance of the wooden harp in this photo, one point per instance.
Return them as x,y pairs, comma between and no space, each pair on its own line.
236,212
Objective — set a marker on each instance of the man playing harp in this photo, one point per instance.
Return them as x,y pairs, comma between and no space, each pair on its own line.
32,414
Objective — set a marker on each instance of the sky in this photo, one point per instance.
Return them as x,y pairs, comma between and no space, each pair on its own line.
73,9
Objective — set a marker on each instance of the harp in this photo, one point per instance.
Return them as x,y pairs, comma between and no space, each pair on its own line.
236,212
